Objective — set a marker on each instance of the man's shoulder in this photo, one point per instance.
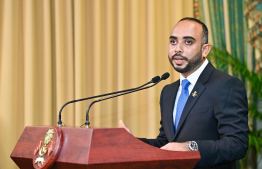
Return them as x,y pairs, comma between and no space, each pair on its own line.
212,73
219,75
221,79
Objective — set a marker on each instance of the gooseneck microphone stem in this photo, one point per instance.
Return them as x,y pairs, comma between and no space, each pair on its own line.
87,123
87,112
154,80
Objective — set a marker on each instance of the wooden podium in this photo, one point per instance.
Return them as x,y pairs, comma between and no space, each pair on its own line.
109,148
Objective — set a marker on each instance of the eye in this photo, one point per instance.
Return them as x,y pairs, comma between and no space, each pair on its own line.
173,42
188,42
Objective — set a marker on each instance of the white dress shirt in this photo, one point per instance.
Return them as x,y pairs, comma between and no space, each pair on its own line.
192,78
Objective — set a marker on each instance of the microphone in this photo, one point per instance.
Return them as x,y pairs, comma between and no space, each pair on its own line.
60,123
163,77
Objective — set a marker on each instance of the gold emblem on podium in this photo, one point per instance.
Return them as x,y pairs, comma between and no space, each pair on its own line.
47,147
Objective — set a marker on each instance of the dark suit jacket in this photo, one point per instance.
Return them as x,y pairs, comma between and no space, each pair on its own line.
216,118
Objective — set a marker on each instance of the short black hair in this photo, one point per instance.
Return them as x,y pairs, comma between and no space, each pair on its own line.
204,27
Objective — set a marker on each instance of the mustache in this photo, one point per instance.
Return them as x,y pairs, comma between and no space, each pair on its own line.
179,54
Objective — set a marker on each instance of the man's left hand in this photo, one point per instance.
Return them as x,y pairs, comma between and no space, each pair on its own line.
176,146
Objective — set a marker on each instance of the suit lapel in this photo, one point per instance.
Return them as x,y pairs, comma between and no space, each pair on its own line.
198,90
169,109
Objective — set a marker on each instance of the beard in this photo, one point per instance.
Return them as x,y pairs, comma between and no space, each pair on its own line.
191,65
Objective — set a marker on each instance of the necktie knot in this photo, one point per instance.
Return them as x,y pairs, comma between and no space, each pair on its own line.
185,84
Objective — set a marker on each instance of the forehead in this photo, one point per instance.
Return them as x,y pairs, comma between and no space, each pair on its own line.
187,28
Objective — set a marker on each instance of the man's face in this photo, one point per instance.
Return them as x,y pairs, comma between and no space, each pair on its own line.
185,47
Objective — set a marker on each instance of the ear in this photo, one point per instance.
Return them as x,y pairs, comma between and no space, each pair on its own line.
205,50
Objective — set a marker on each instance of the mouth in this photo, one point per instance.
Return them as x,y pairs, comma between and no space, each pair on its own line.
178,60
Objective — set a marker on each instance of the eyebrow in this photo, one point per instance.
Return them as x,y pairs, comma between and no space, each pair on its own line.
185,37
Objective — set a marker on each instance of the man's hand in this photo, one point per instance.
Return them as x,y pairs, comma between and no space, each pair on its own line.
176,146
122,125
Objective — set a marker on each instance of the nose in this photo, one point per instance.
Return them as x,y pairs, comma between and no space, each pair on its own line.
178,48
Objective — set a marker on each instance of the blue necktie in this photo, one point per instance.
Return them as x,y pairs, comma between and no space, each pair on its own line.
181,101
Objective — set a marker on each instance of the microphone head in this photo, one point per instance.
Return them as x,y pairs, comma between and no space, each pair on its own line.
165,76
155,79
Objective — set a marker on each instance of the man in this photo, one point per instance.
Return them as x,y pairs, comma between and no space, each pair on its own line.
209,113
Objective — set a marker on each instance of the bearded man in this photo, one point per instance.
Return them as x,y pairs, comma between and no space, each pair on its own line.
206,110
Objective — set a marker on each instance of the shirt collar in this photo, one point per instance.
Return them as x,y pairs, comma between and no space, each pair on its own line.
192,78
